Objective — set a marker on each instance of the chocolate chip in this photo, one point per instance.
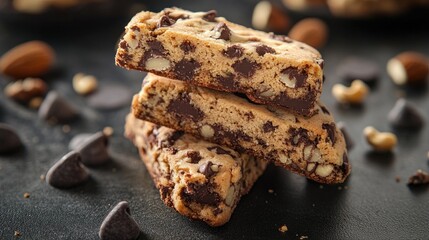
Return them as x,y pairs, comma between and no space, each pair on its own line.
210,16
298,105
183,107
119,224
269,127
206,169
219,150
200,193
228,82
245,67
234,51
249,116
261,142
194,156
186,69
187,47
405,115
93,150
300,76
349,141
358,68
262,49
331,130
419,178
281,38
222,32
110,97
172,139
9,139
56,109
165,21
67,172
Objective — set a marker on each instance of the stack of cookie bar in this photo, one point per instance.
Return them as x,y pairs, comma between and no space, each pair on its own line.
220,101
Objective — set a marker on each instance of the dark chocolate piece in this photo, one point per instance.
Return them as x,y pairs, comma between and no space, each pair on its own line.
223,30
165,21
228,82
262,49
206,169
405,115
78,139
358,68
172,139
269,127
200,193
419,178
9,139
57,109
186,69
234,51
194,156
119,224
67,172
110,97
184,108
330,129
187,47
93,150
210,16
219,150
246,67
349,141
300,76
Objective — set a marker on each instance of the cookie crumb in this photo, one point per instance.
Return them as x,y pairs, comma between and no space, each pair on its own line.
42,177
321,186
66,128
283,228
303,237
26,195
108,131
398,179
270,191
419,178
17,233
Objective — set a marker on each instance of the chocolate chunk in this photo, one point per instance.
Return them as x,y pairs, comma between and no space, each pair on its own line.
9,139
261,142
331,130
234,51
345,167
222,32
262,49
165,21
228,82
172,139
269,127
110,97
233,138
419,178
186,69
56,109
358,68
349,142
200,193
206,169
119,224
156,49
67,172
300,76
187,47
219,150
78,139
249,116
245,67
183,108
299,105
405,115
210,16
194,156
93,150
299,135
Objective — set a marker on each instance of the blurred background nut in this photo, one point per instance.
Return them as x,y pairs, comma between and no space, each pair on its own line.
25,90
31,59
408,68
302,5
380,141
84,84
268,17
355,94
311,31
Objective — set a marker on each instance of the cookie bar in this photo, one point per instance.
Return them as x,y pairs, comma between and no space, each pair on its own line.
313,147
209,51
200,180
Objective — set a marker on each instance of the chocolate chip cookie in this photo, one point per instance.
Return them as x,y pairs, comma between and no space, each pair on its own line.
200,180
206,50
312,147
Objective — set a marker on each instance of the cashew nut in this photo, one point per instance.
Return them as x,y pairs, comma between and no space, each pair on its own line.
355,94
380,141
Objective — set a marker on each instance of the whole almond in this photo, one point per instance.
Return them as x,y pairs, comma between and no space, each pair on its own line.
267,16
311,31
408,68
31,59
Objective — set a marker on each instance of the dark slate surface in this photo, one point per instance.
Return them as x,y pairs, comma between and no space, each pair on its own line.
370,205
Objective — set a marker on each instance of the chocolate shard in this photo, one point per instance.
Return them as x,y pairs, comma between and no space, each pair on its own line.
222,32
57,109
349,141
78,139
119,224
210,16
9,139
67,172
93,149
405,115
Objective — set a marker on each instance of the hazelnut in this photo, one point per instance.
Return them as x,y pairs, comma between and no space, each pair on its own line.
355,94
408,68
268,17
380,141
311,31
157,64
84,84
324,170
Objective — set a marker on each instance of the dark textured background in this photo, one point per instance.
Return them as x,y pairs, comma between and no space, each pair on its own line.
370,205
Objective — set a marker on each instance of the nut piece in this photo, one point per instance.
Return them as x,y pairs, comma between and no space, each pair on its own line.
324,170
311,31
408,68
157,64
84,84
302,5
380,141
229,200
268,17
31,59
25,90
355,94
207,131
